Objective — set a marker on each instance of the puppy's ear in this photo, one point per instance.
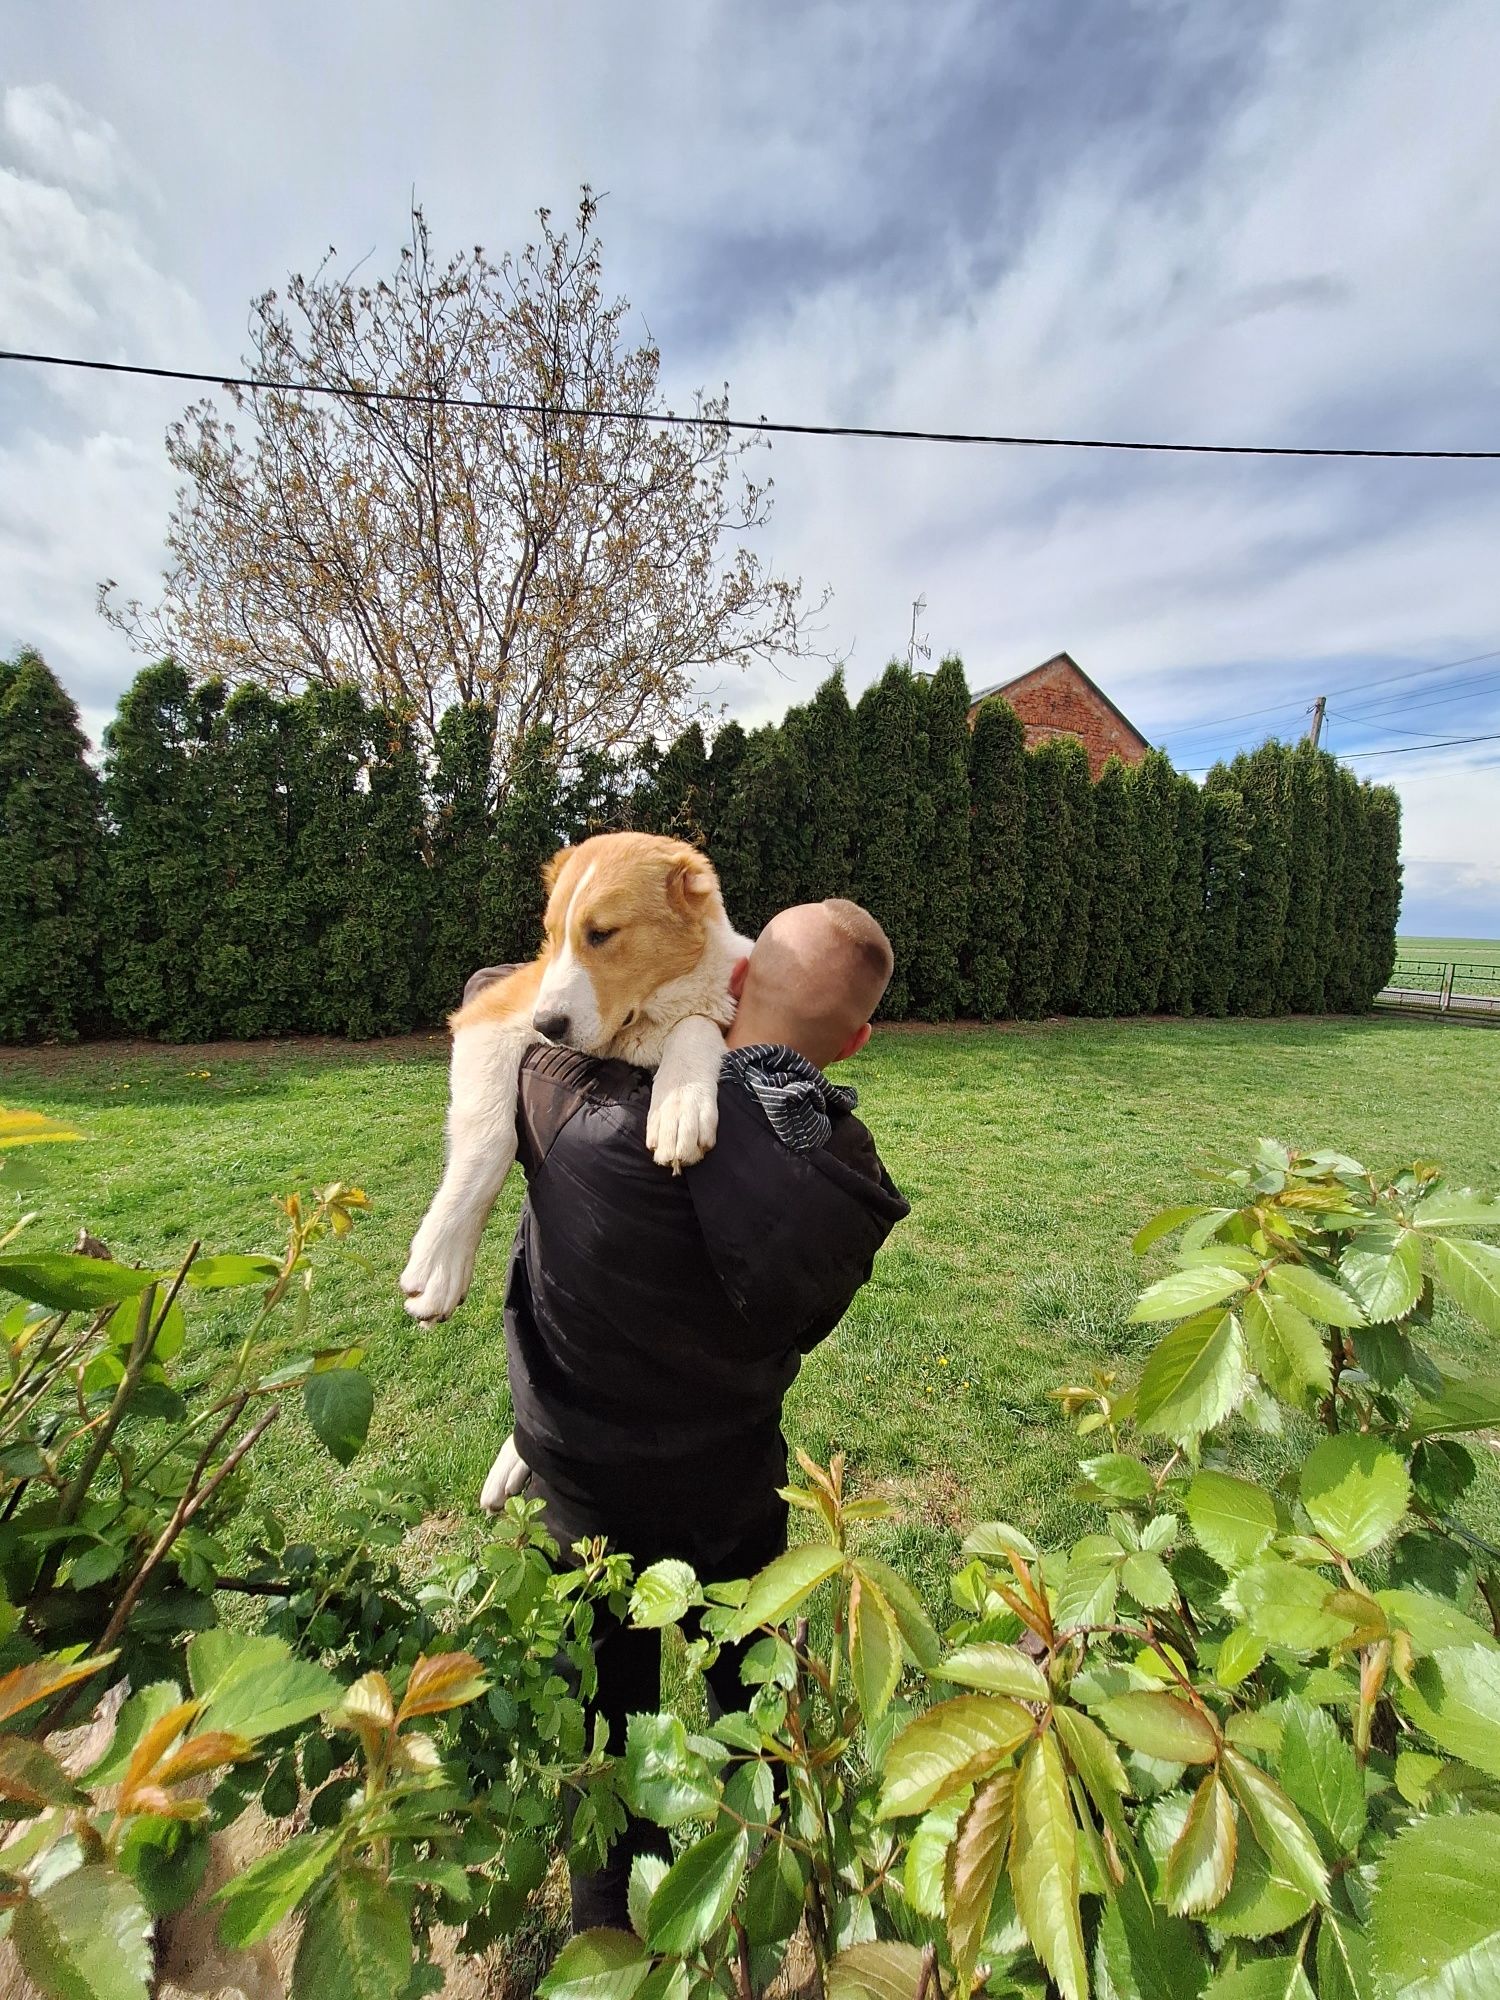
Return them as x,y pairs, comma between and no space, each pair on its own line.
555,867
691,881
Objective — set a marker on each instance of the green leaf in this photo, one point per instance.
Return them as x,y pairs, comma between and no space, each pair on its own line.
356,1941
1343,1961
1356,1490
664,1594
255,1686
1286,1349
1470,1405
1383,1270
1118,1476
1455,1698
30,1774
996,1668
1435,1924
1231,1518
697,1892
1261,1901
68,1283
948,1747
256,1900
1415,1771
218,1274
1190,1291
1145,1954
975,1864
874,1648
1162,1726
1240,1653
339,1403
927,1854
137,1715
1162,1224
1459,1208
917,1634
1286,1607
1261,1979
1314,1295
85,1936
665,1779
1200,1865
1193,1378
774,1895
1321,1777
783,1585
1277,1825
1471,1271
1044,1866
1146,1578
1097,1762
597,1965
875,1972
1431,1622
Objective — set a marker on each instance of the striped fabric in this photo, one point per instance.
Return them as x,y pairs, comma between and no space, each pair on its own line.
797,1098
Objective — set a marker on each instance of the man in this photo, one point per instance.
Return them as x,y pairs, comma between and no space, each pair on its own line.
654,1323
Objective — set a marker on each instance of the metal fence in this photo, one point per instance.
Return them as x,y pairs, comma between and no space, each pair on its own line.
1444,986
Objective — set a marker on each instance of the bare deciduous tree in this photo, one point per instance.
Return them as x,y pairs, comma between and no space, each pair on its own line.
564,568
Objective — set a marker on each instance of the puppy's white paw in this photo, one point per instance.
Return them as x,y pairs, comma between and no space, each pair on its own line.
682,1125
437,1277
506,1477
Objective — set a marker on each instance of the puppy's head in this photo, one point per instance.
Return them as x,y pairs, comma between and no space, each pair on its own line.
627,913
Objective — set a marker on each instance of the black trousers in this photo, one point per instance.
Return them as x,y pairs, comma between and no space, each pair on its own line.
627,1665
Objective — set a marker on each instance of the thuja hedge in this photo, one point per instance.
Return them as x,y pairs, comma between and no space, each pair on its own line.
242,865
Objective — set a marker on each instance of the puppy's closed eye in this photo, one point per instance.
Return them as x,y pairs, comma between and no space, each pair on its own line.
594,937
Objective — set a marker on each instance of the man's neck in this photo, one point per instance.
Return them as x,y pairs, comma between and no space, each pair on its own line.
745,1031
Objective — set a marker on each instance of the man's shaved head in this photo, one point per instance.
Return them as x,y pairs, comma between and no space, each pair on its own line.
815,977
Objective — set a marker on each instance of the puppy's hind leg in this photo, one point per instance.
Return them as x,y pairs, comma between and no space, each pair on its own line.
481,1151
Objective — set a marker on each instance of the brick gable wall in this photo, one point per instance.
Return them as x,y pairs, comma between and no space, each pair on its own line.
1056,700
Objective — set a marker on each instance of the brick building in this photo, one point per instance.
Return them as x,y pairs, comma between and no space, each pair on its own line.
1058,699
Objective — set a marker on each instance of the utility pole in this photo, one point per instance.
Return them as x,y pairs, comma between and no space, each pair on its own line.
1317,720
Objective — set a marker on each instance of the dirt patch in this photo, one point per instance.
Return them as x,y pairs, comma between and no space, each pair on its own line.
935,1499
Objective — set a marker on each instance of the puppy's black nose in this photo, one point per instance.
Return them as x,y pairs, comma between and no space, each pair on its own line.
554,1026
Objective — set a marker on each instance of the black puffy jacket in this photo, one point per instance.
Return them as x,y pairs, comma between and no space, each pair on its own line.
654,1322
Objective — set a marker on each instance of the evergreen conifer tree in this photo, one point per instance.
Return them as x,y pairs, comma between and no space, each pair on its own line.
830,748
159,906
51,861
250,960
326,810
1047,881
1383,836
943,908
1261,780
1307,813
1179,982
1073,943
394,881
1104,988
894,807
1148,928
523,840
460,838
673,799
1226,841
997,841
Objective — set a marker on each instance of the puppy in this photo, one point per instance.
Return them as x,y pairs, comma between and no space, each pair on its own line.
636,964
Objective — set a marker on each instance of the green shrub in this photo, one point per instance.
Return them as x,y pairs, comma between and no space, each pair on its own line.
830,748
894,814
51,861
1076,939
1149,929
997,837
1179,981
944,860
1105,987
1225,840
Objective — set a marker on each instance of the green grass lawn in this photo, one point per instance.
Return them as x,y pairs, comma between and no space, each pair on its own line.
1030,1155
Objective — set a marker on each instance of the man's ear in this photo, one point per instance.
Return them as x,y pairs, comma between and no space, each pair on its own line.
555,866
737,975
854,1044
691,881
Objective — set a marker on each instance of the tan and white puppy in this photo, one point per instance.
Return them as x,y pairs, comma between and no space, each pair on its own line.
636,964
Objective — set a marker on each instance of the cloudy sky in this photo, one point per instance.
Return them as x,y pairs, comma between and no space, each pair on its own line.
1275,224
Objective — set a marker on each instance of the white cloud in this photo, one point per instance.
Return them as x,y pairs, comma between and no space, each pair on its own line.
58,140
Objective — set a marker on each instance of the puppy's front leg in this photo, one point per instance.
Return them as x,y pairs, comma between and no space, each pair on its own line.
683,1121
481,1150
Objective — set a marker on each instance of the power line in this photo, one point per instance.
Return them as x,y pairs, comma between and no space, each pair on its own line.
1380,728
1402,750
516,408
1473,688
1349,687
